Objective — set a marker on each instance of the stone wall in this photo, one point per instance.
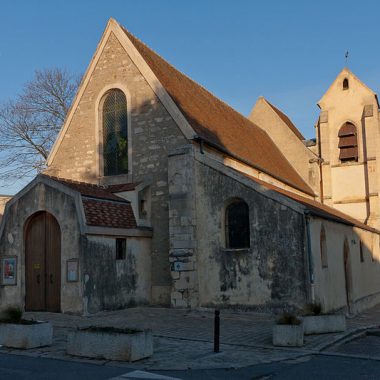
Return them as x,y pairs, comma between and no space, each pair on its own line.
62,206
334,287
269,274
153,134
294,150
110,284
182,228
357,105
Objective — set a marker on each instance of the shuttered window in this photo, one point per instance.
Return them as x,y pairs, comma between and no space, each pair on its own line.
115,133
348,142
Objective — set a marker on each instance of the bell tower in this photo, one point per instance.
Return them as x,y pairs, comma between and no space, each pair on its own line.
348,143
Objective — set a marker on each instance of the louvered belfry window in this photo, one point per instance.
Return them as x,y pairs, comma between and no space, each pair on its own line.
348,142
115,133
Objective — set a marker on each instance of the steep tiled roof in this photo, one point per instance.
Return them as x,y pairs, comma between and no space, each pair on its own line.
122,187
287,121
219,124
108,214
101,207
318,208
88,189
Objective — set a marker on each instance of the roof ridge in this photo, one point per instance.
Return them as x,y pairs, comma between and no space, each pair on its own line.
192,80
215,121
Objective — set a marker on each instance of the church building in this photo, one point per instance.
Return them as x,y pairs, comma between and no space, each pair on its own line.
156,192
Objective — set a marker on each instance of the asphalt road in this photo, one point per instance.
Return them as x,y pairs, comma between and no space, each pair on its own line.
17,367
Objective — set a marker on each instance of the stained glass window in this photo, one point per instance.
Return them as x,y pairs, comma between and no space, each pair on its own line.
115,133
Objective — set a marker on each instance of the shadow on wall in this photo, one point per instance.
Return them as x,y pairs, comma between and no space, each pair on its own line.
347,268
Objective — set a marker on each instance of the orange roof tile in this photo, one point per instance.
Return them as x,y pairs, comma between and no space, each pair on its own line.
101,207
108,213
317,208
219,124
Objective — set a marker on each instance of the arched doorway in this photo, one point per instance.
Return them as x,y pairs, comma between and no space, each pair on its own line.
347,274
42,263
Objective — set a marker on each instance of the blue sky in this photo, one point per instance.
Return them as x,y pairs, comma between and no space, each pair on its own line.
288,51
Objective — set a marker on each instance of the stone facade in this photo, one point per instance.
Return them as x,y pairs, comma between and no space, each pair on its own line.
268,274
292,146
103,282
179,187
358,105
153,134
62,206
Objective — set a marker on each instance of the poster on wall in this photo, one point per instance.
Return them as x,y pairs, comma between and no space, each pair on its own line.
72,270
9,271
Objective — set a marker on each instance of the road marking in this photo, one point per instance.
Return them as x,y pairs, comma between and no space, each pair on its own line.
143,375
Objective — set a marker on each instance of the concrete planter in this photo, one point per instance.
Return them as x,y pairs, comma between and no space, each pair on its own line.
288,335
111,343
26,335
321,324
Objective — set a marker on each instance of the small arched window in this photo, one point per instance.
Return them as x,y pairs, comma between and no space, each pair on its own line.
115,133
237,225
323,247
345,84
348,142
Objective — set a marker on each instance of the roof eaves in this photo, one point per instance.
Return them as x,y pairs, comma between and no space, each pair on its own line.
307,190
100,199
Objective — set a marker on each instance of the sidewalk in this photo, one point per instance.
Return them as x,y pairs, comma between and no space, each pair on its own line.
183,339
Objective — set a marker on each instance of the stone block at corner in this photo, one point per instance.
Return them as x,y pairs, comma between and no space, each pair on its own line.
322,324
288,335
26,335
111,345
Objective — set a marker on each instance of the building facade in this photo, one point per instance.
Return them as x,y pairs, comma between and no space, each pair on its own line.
156,192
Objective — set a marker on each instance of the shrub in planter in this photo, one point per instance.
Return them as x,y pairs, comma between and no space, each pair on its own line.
17,332
111,343
288,332
316,322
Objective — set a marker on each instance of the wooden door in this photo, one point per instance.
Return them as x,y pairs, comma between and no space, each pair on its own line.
43,263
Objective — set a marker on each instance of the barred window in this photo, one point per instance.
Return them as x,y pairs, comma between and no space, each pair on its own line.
115,133
237,225
348,142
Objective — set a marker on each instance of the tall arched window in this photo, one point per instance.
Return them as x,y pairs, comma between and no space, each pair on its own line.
348,142
115,133
323,247
237,225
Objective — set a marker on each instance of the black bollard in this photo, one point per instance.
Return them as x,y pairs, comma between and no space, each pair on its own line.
216,330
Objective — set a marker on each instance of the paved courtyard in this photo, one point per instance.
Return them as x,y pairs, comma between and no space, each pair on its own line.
184,338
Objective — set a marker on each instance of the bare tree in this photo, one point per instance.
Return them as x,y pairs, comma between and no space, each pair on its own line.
30,123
